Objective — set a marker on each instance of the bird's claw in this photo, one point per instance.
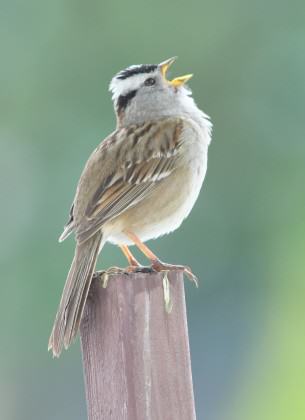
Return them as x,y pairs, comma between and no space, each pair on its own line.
160,266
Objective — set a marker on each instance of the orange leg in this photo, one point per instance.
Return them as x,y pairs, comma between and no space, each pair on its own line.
132,261
156,263
142,247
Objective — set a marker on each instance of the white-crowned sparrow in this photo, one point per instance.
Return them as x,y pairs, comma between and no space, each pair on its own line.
138,184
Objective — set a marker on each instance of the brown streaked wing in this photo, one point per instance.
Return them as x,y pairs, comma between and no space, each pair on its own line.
134,179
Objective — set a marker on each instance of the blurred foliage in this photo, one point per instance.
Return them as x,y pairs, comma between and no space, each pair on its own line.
245,236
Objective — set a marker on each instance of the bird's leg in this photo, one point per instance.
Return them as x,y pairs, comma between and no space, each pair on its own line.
134,265
156,263
132,261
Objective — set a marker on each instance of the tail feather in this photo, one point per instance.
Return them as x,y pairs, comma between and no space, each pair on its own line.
75,294
67,231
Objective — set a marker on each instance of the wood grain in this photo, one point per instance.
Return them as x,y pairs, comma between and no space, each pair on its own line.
136,356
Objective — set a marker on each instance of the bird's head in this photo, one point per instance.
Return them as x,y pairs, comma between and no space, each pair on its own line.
142,92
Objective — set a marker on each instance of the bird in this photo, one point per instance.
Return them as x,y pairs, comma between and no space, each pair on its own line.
139,183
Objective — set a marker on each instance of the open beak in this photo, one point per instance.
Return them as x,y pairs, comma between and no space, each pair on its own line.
178,81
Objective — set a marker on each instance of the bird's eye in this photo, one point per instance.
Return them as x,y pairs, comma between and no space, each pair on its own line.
150,81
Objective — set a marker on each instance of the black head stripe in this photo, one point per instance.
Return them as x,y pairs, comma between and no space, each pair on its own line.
131,71
124,100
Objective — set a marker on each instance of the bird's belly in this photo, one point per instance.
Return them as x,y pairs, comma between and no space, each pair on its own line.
165,208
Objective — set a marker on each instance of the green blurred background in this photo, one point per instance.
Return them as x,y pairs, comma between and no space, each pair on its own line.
245,236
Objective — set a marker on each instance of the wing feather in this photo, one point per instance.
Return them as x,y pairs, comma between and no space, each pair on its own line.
145,156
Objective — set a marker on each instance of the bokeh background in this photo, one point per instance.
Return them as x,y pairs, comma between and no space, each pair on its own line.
245,236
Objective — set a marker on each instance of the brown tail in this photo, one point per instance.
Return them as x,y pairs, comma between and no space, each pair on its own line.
74,295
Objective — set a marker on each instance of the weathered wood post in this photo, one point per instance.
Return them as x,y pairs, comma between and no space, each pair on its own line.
136,356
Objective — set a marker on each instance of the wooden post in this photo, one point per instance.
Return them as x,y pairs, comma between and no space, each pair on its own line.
136,355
